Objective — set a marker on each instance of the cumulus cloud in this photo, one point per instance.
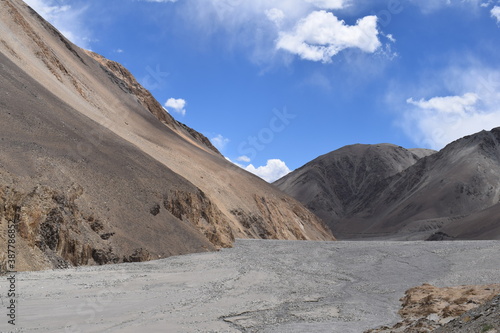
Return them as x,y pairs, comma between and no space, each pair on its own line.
69,20
321,35
272,171
437,121
299,27
495,12
219,142
177,105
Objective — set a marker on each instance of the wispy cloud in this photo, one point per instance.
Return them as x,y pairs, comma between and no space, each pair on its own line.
68,19
429,6
475,105
495,12
457,105
244,159
329,4
220,142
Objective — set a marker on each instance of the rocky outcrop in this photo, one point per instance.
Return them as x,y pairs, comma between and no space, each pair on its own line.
430,309
50,223
483,319
198,209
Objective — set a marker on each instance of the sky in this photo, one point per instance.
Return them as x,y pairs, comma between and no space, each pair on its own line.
276,83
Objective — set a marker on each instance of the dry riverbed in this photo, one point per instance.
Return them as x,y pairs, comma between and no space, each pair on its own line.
257,286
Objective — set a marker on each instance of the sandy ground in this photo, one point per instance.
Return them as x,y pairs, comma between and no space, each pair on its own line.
258,286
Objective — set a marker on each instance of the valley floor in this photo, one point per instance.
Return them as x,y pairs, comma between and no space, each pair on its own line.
258,286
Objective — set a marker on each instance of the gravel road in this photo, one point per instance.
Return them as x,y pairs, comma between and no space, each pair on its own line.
257,286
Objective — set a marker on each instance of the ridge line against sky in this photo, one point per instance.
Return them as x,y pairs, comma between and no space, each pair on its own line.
281,81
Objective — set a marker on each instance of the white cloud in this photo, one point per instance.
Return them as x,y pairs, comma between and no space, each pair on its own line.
262,27
495,12
220,142
178,105
328,4
244,158
66,18
272,171
275,15
321,35
459,105
391,38
475,106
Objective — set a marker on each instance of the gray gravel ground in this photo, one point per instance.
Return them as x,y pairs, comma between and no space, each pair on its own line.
257,286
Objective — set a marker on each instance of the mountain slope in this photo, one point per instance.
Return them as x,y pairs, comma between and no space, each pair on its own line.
92,170
455,191
333,184
460,180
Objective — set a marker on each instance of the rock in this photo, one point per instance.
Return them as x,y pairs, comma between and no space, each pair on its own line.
431,309
439,236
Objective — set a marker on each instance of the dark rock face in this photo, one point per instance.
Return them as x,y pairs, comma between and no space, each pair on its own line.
484,319
138,256
383,190
439,236
52,222
198,210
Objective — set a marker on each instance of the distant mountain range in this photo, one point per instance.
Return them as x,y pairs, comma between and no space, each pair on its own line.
364,191
93,170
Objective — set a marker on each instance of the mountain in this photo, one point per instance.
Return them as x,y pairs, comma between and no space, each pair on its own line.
453,192
94,171
333,185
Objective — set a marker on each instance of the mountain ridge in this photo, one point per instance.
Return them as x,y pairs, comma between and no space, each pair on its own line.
432,192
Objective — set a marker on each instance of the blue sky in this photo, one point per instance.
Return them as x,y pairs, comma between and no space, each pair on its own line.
276,83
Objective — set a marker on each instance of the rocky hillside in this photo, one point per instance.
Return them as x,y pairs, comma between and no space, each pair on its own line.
454,192
93,171
334,185
483,319
427,308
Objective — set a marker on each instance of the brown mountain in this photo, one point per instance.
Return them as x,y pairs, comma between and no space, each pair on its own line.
93,170
454,192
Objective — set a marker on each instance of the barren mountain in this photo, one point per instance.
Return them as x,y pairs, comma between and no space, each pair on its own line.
454,192
333,185
93,170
